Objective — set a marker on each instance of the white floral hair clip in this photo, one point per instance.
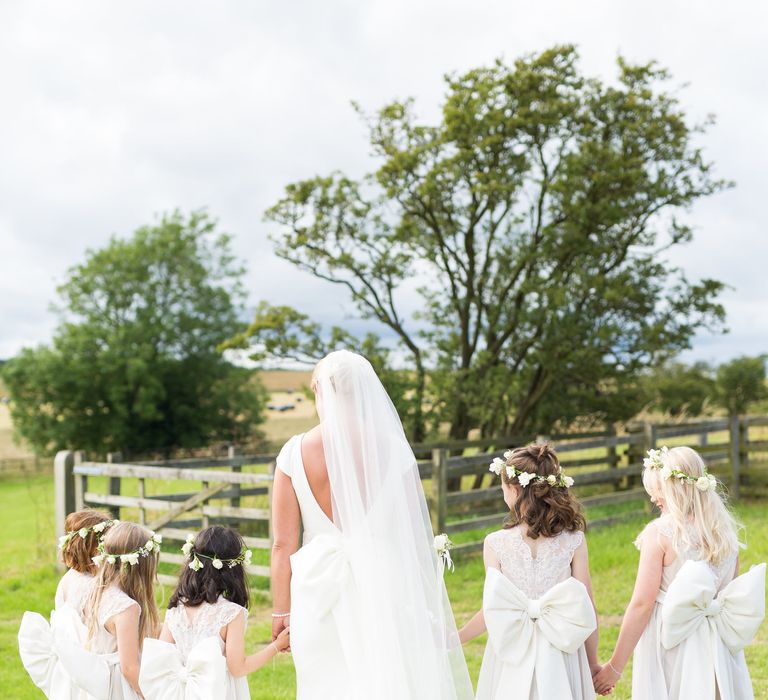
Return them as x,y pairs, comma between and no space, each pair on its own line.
98,528
524,478
151,546
656,460
188,548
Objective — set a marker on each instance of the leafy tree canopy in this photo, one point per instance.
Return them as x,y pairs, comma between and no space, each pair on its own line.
536,213
134,364
741,383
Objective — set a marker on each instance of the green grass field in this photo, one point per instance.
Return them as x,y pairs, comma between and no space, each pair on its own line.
28,579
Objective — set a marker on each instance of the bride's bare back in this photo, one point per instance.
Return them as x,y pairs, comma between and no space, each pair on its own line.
313,457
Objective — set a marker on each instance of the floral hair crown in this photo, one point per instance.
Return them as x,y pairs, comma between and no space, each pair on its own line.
655,460
98,528
525,478
151,546
188,548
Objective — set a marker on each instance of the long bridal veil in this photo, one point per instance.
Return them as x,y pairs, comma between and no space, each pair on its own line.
405,643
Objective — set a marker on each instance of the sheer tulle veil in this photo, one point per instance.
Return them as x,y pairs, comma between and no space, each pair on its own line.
408,645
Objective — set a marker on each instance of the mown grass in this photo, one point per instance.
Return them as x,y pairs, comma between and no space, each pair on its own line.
28,579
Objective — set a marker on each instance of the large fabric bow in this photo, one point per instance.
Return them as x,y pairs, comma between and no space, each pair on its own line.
322,571
38,650
165,676
91,672
706,625
529,634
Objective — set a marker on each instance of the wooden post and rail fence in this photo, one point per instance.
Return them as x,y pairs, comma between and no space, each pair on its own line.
174,497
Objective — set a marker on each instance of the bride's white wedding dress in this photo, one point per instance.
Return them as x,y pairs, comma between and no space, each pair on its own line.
370,618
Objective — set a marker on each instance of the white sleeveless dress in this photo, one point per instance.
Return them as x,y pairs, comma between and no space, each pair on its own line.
37,636
535,577
95,665
657,673
189,627
317,645
73,589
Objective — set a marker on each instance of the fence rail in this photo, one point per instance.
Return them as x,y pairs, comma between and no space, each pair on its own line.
463,496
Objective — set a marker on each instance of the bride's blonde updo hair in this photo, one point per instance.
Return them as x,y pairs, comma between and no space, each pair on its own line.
342,368
700,518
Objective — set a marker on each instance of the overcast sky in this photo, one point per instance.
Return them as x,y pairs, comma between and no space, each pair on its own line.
115,111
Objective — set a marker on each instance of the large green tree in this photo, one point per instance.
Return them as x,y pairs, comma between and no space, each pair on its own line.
134,364
536,213
741,383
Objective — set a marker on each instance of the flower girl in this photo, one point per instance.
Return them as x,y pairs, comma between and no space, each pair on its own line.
537,600
36,637
84,530
691,614
120,613
206,621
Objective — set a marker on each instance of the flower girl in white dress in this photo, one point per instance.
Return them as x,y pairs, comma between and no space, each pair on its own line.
120,613
537,601
84,529
690,615
206,620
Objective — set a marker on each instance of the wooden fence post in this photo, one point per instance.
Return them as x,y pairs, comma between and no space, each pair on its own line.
235,500
744,442
735,435
612,454
64,487
439,489
114,482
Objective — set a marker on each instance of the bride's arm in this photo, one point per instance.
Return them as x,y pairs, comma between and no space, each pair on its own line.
476,625
286,522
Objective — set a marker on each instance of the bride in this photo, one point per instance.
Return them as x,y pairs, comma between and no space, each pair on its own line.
363,596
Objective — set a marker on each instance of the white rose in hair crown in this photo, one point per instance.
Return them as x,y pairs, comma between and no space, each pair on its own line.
524,478
659,460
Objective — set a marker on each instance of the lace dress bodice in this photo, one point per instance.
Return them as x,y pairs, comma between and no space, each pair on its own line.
73,589
191,625
534,575
113,601
663,527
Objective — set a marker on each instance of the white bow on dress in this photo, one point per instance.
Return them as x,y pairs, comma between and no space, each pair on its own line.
165,676
38,649
322,570
527,635
91,672
709,625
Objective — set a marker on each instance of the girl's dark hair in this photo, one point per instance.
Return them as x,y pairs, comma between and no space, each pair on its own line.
546,510
207,584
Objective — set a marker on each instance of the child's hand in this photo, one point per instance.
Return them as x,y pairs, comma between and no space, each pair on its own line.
605,680
283,640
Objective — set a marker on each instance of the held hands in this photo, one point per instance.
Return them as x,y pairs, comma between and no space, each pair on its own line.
279,624
283,640
605,679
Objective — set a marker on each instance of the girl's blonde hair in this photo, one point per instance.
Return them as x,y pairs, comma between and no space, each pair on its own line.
135,580
701,520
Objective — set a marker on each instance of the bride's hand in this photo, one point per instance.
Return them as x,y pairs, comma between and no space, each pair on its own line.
278,625
605,680
283,641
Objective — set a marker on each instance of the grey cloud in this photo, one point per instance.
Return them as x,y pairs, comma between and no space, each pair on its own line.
121,111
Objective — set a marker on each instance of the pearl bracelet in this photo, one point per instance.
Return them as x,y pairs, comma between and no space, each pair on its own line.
281,614
613,668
